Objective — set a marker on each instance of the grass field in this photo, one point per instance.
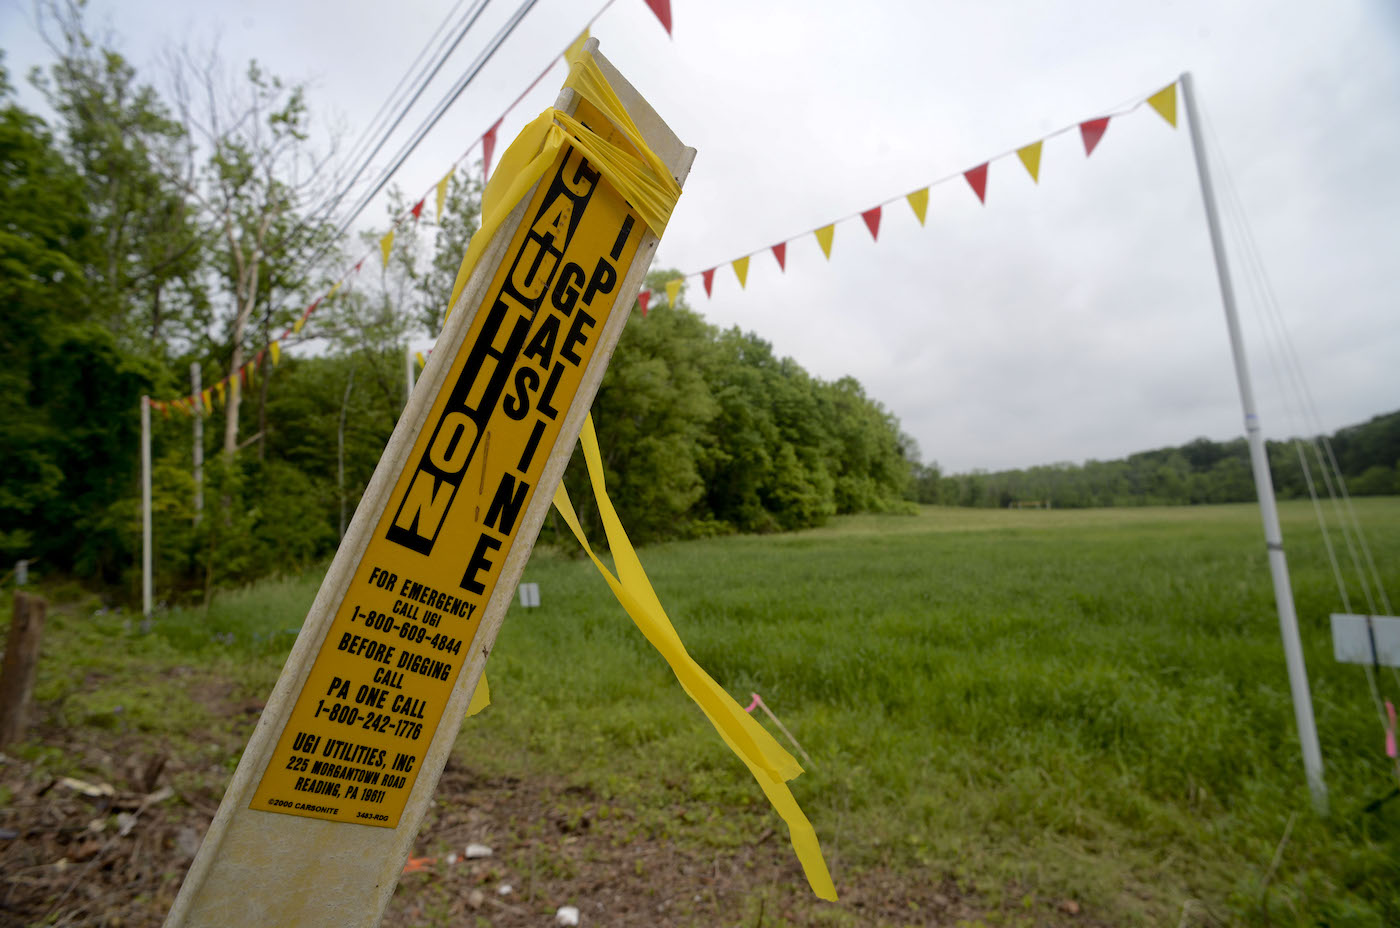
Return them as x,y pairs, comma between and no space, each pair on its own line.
1088,705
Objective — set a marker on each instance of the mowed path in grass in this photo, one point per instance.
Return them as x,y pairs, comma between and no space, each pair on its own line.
1091,704
1086,705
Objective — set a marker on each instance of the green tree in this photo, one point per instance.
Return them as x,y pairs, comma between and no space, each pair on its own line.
256,185
128,151
68,393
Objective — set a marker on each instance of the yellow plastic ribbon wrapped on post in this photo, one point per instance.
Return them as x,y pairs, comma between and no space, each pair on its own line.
769,763
633,169
636,172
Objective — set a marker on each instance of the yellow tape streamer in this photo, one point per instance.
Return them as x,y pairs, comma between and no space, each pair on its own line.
770,765
481,697
639,174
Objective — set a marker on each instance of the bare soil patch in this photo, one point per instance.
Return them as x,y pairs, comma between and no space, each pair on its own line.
100,826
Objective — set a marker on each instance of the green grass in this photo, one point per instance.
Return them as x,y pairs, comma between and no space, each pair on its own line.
1093,703
1085,704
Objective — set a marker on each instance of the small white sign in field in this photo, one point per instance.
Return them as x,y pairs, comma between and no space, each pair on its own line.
1353,637
529,595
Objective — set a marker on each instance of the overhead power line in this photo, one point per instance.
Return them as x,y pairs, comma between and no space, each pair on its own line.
393,100
432,119
470,17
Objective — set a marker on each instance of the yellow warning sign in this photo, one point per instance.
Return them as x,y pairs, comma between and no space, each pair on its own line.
361,726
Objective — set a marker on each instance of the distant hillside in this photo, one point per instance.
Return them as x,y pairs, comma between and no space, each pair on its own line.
1201,471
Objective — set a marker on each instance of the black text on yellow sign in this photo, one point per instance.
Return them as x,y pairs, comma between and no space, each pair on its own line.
361,726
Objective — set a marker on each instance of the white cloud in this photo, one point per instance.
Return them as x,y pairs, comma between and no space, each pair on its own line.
1071,319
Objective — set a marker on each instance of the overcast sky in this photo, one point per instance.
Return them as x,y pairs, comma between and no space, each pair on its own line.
1078,318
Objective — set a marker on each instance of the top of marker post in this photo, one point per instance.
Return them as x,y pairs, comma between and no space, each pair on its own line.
659,137
648,167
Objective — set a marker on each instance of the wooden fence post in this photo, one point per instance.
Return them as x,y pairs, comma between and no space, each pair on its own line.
21,662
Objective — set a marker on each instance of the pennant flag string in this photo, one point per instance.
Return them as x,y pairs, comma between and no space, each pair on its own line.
741,270
918,202
488,147
662,9
872,222
977,179
487,141
1030,157
1091,131
442,192
1163,102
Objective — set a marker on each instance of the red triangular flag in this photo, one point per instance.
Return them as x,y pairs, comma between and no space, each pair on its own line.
872,222
243,374
257,361
643,299
662,9
977,177
357,265
417,211
1092,130
488,147
780,252
709,280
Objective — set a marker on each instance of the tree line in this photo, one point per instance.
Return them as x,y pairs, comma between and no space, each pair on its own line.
1201,471
144,229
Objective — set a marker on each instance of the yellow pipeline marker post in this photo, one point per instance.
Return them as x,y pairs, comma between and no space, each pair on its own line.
323,809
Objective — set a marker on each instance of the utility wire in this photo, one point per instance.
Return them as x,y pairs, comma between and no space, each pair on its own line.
440,110
389,102
1283,351
471,17
331,243
1368,575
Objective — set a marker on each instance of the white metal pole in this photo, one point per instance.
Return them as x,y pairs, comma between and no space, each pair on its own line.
1263,481
198,441
146,506
408,370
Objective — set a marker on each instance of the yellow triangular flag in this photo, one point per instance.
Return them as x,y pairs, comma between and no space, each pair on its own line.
296,326
673,290
574,50
332,291
741,270
275,349
204,395
1164,102
824,236
481,698
419,356
385,245
442,193
219,390
1030,157
918,201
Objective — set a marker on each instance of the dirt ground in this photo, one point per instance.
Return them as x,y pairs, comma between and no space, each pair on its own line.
99,828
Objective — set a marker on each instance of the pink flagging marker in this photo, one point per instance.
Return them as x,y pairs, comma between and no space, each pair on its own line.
754,705
1389,732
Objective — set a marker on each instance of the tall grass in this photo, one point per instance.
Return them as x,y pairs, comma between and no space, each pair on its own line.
1089,703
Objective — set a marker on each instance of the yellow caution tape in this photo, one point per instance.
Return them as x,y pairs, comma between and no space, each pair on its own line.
639,174
769,763
481,697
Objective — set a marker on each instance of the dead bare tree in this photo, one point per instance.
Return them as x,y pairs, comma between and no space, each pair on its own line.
258,175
